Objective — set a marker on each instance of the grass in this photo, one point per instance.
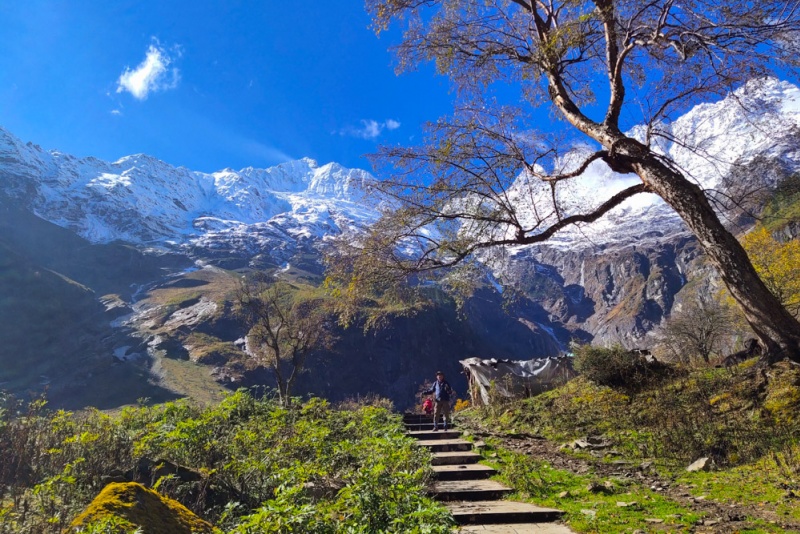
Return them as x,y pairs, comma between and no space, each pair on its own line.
588,510
771,480
189,379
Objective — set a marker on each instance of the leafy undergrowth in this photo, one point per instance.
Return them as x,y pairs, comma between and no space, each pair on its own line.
245,465
745,420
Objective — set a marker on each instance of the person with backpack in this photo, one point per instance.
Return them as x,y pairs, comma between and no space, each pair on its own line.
442,393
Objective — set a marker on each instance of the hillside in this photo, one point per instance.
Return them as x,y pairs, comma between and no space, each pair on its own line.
616,459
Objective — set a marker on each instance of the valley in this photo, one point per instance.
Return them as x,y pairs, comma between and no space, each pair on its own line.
138,263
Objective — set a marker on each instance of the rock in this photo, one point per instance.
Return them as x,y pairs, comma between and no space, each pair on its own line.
622,504
149,471
137,507
589,442
563,495
701,464
594,487
591,514
653,520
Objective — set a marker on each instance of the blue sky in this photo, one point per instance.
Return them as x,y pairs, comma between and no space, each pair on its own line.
208,85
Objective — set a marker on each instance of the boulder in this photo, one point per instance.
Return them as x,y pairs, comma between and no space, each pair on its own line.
137,507
701,464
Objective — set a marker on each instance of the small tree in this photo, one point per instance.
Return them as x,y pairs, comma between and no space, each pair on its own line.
698,329
282,331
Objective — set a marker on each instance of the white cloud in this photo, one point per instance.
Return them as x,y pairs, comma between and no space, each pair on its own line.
370,128
116,112
152,74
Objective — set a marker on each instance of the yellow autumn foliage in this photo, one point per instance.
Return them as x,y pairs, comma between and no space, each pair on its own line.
778,265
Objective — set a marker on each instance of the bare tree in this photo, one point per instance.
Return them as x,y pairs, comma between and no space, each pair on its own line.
698,329
488,176
282,331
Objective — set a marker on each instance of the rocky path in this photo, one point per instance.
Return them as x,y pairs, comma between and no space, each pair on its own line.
465,486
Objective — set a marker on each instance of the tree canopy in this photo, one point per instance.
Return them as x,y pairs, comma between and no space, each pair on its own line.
492,175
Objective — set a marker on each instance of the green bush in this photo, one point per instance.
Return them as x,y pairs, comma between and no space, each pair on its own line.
262,467
614,367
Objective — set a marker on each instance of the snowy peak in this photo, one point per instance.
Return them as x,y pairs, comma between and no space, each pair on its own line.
759,120
142,199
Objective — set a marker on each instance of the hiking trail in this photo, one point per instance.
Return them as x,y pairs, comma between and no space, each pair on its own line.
464,485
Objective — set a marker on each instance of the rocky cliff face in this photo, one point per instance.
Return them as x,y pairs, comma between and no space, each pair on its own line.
620,295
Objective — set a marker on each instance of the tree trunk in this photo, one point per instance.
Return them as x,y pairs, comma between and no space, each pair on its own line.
777,329
283,393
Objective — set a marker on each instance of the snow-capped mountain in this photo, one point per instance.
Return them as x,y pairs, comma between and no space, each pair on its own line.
145,201
612,281
142,200
760,120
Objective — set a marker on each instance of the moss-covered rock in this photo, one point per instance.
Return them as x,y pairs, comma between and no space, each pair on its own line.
132,506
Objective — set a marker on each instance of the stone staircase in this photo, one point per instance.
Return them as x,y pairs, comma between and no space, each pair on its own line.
474,500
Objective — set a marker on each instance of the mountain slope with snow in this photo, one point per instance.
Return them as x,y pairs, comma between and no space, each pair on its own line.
271,217
707,144
144,201
115,304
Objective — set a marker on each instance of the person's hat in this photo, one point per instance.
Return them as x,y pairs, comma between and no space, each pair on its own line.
439,373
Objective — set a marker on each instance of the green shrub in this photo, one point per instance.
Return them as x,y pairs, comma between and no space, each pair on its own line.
613,367
309,468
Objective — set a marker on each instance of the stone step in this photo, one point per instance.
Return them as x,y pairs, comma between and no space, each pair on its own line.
520,528
437,434
417,418
468,490
501,512
426,426
445,445
453,458
463,472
